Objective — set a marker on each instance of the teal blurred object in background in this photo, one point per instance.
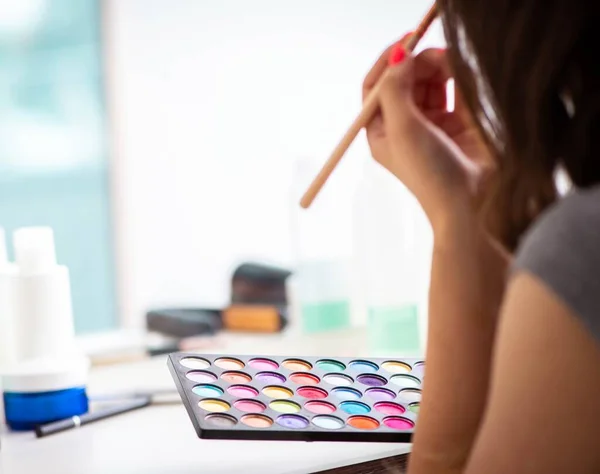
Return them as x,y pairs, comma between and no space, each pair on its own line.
53,142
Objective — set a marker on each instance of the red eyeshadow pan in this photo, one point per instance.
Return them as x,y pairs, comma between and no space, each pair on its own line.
312,392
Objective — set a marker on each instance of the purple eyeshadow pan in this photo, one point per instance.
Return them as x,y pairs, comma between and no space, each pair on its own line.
295,422
372,380
380,394
418,370
270,377
201,376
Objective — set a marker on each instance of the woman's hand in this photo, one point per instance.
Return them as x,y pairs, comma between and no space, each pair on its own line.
438,154
440,157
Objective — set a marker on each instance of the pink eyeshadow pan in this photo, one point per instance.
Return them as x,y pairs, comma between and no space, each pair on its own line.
302,378
389,408
263,364
319,407
250,406
398,423
242,391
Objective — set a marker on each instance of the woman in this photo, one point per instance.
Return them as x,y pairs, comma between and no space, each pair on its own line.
513,360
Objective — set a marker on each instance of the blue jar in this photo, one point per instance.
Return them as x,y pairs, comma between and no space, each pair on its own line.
43,391
24,411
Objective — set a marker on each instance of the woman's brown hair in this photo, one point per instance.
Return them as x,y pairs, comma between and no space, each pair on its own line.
529,71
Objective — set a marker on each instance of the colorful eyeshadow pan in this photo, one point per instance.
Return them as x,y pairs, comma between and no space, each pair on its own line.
284,406
270,377
328,422
201,376
344,393
242,391
250,406
398,423
229,364
372,380
363,366
221,421
410,395
236,377
320,408
195,363
395,367
330,365
207,390
380,394
419,370
214,405
405,381
312,392
275,391
257,421
355,408
302,378
389,408
295,422
258,397
363,422
297,365
339,380
263,364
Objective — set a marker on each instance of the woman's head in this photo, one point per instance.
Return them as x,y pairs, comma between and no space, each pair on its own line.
530,74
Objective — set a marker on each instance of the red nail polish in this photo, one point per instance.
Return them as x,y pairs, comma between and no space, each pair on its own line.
397,55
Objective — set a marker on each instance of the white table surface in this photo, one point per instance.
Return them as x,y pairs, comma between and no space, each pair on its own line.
161,439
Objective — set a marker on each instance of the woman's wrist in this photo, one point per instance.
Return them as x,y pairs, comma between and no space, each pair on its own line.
460,233
457,224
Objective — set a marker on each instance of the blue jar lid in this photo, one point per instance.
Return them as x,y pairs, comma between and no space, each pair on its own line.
24,411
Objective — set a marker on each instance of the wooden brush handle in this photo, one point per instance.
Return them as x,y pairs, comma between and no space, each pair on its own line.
370,107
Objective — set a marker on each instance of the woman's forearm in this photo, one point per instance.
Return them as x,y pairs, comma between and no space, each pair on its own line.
467,283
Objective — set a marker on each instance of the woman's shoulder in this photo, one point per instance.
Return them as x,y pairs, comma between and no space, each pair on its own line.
562,249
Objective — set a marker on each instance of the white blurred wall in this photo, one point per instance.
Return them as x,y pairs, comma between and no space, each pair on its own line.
211,103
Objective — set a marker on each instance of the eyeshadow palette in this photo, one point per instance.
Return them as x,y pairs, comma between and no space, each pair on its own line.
299,398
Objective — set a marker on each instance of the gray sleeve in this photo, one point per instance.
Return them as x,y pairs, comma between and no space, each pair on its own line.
563,250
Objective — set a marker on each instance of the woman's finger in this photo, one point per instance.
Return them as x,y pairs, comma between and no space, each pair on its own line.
378,68
432,64
396,98
432,73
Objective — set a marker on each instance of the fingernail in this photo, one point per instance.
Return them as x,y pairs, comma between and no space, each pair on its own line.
397,55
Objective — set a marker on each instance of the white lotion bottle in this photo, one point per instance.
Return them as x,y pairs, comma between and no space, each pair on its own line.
44,327
7,308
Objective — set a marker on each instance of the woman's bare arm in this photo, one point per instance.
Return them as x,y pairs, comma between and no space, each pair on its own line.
544,404
467,285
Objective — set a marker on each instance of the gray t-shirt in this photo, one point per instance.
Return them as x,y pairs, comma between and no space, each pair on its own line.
563,250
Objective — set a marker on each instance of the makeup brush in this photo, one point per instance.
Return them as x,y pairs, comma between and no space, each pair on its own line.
369,109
